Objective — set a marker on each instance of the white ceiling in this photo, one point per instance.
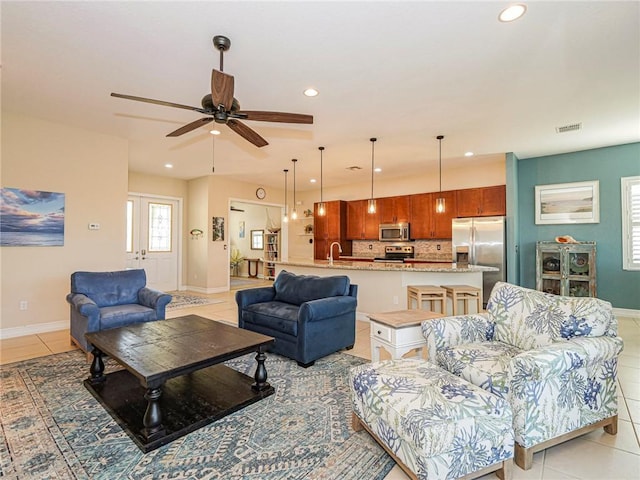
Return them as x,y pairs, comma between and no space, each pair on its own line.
403,72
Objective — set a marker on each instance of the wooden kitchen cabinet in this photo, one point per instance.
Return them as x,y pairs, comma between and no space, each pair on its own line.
361,225
425,222
332,227
394,209
482,202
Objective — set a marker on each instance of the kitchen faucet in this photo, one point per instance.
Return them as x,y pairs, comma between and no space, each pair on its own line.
331,251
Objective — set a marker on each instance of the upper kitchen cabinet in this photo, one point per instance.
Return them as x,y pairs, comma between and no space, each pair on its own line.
361,225
329,228
482,202
425,222
394,209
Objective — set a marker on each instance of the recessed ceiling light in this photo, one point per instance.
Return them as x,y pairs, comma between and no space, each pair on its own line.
313,180
214,132
311,92
468,154
168,165
377,169
512,13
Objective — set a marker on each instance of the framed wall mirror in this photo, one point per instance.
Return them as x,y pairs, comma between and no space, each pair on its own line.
257,239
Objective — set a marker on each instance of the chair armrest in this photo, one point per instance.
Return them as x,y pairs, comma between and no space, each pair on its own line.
447,332
561,357
153,298
318,310
83,304
250,296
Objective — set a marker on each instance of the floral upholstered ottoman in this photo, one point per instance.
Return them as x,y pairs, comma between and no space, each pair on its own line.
435,425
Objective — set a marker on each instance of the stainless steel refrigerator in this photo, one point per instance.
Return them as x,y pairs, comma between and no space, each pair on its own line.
484,238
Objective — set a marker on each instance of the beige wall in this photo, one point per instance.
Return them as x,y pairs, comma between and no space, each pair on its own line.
91,170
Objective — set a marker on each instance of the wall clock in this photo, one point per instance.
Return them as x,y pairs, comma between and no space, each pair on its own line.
261,193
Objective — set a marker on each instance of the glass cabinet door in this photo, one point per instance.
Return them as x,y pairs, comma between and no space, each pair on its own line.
566,269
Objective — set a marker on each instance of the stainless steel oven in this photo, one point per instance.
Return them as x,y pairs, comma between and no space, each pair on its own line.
394,232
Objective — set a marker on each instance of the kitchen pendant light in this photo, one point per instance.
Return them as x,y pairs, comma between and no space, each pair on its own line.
294,212
285,219
371,205
440,207
322,210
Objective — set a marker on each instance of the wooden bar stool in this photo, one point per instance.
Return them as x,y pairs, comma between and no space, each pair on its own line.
466,293
426,293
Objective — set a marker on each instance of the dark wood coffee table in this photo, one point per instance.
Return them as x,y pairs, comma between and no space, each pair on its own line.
173,382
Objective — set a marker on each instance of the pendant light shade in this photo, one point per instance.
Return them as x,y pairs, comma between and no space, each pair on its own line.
285,219
294,212
440,206
371,204
322,209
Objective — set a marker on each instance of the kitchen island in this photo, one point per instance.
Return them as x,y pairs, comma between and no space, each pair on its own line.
382,287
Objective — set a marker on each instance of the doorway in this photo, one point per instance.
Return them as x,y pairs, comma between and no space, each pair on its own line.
152,242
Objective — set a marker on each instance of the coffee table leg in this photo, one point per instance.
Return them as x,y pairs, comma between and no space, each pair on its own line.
152,420
97,368
261,373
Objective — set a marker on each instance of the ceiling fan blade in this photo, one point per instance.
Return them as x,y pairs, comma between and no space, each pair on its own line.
277,117
190,126
155,102
222,89
247,133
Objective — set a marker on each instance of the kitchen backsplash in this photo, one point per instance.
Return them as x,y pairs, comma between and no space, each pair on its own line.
424,249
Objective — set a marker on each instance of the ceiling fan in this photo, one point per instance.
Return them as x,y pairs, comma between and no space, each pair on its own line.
220,105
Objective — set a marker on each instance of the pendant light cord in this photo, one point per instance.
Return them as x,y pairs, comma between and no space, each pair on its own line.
321,149
373,141
440,137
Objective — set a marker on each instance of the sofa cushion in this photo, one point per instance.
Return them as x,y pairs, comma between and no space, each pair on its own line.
279,316
297,289
485,364
530,319
107,289
121,315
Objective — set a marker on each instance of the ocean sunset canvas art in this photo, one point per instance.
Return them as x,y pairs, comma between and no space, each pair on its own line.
31,218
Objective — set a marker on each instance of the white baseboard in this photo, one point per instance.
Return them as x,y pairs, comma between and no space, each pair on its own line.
206,290
33,329
626,312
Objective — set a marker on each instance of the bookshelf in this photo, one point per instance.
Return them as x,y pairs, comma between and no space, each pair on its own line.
271,255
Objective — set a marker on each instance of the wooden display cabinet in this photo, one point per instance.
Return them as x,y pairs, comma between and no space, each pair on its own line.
271,254
566,269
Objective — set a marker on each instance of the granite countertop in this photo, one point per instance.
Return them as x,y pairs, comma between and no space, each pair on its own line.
383,266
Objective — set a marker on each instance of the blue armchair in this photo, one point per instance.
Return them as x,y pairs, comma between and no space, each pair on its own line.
310,317
102,300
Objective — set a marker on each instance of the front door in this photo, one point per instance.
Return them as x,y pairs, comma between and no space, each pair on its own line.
152,239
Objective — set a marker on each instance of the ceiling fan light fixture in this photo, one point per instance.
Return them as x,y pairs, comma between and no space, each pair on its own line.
322,208
311,92
440,203
512,12
371,204
468,154
214,132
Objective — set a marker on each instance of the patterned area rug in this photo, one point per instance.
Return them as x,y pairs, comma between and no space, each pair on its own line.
53,428
181,300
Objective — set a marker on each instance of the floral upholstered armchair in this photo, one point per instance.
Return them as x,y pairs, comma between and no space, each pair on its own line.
553,358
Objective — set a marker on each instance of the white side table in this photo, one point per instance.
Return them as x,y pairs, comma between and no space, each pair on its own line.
398,332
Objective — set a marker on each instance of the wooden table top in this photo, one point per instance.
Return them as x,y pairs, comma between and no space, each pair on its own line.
404,318
157,351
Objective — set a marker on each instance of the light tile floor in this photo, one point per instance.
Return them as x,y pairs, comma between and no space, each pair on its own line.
596,455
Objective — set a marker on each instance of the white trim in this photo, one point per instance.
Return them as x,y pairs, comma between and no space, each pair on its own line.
206,290
34,329
626,312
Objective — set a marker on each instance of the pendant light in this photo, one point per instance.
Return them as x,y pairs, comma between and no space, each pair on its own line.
285,219
440,200
294,212
322,209
371,205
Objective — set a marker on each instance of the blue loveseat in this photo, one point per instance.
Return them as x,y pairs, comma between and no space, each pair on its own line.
102,300
310,317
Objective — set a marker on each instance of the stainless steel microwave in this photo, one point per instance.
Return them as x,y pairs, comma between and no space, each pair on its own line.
394,232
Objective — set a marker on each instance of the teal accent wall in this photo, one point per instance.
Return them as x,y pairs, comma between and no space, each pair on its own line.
608,165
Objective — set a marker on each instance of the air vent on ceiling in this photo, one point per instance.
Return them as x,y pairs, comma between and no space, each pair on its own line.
569,128
354,168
